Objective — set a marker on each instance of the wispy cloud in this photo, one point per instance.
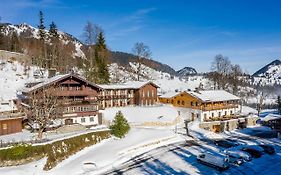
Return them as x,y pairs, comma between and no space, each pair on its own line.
38,3
129,23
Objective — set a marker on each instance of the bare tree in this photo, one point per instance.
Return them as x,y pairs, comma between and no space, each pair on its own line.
90,34
45,105
142,52
260,101
222,71
234,78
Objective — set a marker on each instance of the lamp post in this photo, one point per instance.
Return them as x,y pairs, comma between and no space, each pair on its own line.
186,127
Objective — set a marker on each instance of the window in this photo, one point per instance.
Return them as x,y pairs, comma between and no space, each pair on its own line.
225,113
212,114
231,112
148,94
143,95
4,126
205,116
77,88
219,114
182,102
91,119
152,93
191,103
179,102
83,120
196,103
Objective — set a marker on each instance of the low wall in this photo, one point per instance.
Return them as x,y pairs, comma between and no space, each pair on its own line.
229,125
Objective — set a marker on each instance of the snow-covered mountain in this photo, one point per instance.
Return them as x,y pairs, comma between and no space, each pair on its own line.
185,72
29,35
269,74
27,32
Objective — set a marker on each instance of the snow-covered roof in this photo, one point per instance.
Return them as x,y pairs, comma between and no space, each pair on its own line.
128,85
169,94
53,80
213,95
271,117
6,106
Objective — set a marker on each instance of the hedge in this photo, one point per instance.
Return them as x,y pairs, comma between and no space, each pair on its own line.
55,152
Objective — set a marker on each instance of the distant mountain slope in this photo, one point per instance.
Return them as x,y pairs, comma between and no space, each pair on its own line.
272,68
27,37
269,75
185,72
124,59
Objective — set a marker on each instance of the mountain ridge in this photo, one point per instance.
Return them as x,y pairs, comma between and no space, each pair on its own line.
76,48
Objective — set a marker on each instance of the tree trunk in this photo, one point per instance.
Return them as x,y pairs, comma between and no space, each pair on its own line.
40,133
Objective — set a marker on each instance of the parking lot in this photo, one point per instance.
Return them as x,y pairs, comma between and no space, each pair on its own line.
181,158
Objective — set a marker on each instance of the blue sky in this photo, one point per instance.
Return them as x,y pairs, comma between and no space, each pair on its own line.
179,33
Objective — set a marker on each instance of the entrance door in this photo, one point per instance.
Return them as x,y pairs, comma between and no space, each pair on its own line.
68,121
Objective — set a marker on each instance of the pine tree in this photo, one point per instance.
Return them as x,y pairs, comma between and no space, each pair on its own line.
101,55
14,42
53,31
1,35
120,126
279,105
53,51
41,26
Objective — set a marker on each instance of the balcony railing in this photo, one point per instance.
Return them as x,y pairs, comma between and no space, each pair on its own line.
218,107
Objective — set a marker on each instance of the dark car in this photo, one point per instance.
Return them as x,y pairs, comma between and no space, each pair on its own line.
233,141
224,143
268,149
253,152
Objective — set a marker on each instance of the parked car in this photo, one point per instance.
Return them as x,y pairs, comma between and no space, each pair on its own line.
219,162
224,143
252,151
269,149
233,141
246,157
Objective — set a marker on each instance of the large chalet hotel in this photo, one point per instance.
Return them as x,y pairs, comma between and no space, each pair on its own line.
82,99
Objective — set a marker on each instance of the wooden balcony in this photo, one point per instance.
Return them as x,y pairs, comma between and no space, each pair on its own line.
80,93
219,107
106,97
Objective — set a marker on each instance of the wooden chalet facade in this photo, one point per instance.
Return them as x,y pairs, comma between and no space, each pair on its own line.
10,118
79,96
204,105
10,124
132,93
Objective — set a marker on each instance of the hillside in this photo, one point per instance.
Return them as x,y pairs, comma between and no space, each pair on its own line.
268,75
25,39
185,72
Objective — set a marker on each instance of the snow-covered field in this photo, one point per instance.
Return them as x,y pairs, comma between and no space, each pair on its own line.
108,153
141,114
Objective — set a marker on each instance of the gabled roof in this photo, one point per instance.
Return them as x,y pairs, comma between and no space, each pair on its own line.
56,79
213,95
170,94
128,85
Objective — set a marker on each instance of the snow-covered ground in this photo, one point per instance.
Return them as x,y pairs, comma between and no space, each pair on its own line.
108,153
13,77
141,114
